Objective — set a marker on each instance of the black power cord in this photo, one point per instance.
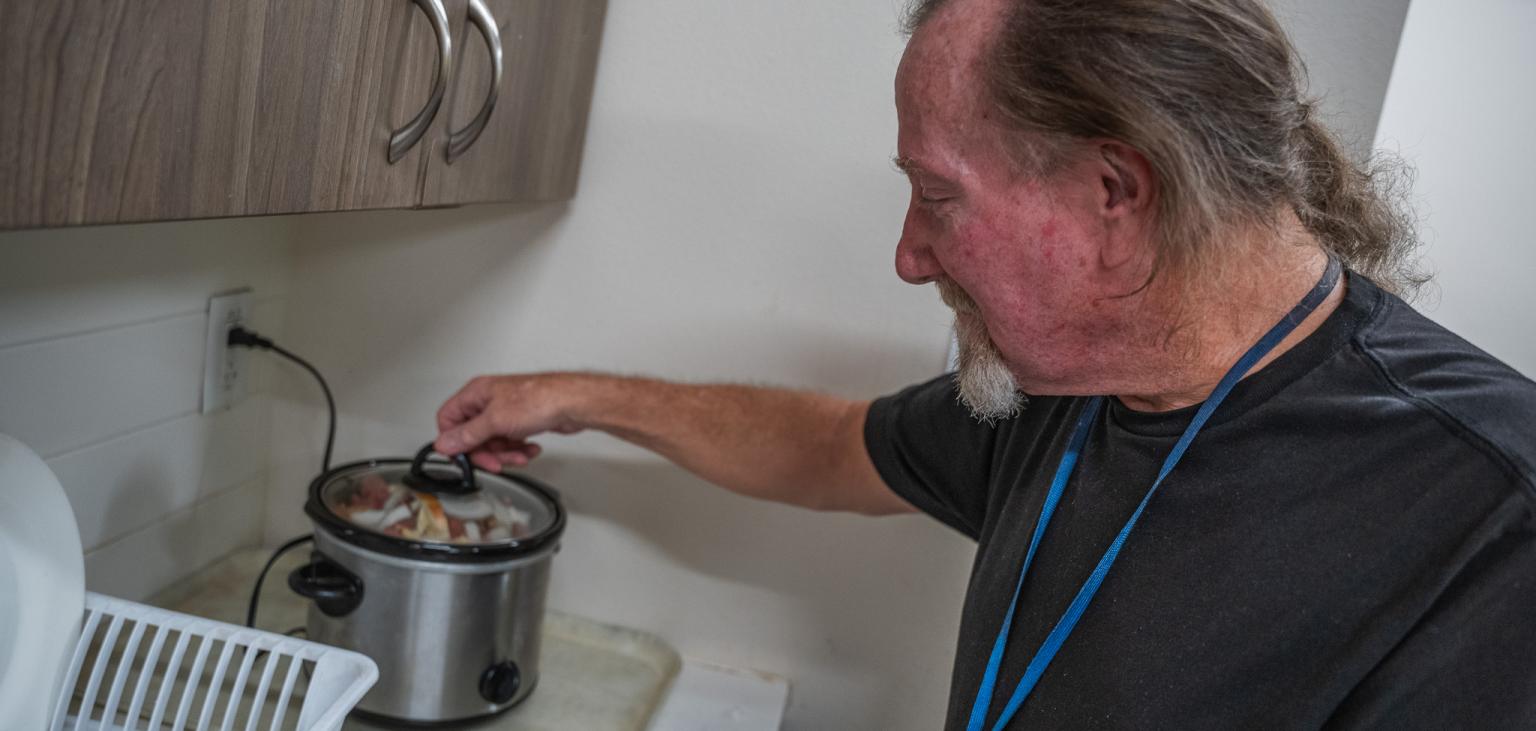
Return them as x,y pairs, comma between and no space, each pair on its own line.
250,612
243,338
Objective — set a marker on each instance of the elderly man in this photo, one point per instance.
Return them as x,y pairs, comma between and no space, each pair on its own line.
1219,475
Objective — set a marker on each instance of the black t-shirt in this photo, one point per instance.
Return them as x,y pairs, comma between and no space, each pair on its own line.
1349,543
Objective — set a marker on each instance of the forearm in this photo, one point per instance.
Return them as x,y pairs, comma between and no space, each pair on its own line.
794,447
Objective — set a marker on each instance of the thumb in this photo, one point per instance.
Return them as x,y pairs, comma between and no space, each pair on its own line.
466,436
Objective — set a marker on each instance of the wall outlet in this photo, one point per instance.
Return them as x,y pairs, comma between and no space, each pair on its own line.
225,369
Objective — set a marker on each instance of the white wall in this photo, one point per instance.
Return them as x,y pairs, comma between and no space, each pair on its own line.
1461,110
101,358
737,221
1348,48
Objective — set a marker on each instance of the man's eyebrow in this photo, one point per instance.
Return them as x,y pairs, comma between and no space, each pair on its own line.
906,165
913,168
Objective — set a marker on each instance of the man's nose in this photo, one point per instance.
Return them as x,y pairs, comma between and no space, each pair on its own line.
915,262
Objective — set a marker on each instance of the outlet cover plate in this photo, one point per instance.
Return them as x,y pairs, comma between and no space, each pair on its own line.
225,369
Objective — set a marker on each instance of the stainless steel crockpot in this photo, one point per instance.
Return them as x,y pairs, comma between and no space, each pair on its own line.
438,571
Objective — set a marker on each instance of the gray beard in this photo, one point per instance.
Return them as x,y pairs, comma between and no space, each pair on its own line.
987,386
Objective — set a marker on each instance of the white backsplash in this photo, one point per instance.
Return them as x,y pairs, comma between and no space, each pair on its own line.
101,361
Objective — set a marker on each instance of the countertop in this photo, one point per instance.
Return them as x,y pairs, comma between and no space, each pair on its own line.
594,676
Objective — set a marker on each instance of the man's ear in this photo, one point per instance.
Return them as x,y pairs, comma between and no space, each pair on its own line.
1128,193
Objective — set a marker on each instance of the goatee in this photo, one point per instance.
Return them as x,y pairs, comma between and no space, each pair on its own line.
986,384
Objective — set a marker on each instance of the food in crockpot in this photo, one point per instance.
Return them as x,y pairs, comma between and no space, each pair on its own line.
395,510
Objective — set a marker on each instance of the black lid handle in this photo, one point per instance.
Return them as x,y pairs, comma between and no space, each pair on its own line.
418,479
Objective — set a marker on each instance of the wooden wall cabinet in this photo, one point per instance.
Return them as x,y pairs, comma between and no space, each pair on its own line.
115,111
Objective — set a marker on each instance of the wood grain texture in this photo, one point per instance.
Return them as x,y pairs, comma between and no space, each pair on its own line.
107,105
226,102
406,59
532,147
119,111
334,77
115,111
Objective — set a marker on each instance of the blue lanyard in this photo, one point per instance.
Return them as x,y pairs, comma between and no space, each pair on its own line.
1085,422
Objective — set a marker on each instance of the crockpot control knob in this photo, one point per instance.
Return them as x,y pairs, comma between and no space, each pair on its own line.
499,682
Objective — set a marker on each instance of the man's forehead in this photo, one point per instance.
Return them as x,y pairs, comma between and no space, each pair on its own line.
959,32
939,95
940,69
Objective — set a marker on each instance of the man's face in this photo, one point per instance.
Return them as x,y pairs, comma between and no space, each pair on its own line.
1014,255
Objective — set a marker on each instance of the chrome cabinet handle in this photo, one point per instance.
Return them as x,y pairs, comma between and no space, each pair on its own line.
406,137
460,140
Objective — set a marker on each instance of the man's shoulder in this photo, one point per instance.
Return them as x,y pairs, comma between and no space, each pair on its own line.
1471,393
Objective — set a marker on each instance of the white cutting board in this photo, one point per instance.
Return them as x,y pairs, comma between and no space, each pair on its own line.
42,586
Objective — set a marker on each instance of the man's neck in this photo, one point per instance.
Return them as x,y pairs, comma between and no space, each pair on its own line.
1236,312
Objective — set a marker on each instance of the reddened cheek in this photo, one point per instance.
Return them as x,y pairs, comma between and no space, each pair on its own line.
964,251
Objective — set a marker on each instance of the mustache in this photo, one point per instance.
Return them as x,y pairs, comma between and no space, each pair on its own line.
955,297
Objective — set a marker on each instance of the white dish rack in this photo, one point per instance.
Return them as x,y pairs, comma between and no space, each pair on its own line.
75,661
138,668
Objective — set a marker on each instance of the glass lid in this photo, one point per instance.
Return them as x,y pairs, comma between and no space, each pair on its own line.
392,499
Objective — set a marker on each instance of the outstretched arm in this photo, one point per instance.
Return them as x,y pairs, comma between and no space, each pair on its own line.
788,446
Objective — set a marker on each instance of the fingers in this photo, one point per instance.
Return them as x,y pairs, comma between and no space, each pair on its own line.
467,436
491,418
468,403
519,456
515,452
498,454
485,461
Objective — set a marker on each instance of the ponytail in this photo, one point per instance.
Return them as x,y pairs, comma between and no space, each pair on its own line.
1355,211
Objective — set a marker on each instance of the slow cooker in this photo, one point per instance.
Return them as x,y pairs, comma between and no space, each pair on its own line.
438,571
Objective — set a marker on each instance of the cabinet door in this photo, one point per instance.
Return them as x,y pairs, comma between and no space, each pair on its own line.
123,110
136,110
337,77
531,147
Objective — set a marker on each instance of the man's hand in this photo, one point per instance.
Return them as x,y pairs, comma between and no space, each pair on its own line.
789,446
492,417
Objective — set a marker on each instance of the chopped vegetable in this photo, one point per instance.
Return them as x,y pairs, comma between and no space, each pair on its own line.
394,510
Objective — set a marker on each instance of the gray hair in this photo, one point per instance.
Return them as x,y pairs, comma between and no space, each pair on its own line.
1211,92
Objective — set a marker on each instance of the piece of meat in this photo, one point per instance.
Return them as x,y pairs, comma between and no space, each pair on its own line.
372,491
